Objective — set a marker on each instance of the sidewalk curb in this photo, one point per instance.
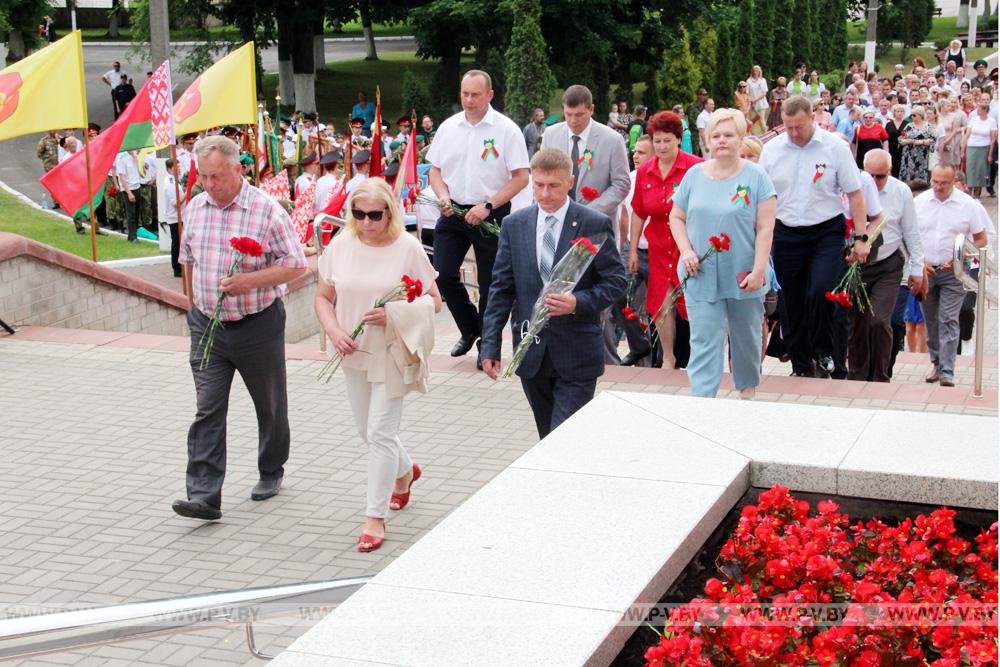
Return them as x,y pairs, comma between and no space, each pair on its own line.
326,40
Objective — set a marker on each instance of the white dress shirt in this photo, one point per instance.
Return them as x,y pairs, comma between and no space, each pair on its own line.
792,168
127,171
584,137
324,186
169,196
114,77
940,221
627,206
873,204
900,225
457,150
541,226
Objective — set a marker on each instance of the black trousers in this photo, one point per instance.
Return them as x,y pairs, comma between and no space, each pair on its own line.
638,340
132,212
870,349
175,248
254,346
452,239
808,262
553,400
898,325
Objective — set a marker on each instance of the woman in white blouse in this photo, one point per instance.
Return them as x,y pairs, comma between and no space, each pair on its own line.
757,88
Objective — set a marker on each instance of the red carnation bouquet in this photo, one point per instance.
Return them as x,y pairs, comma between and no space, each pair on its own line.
565,275
242,247
408,289
487,226
589,194
716,245
851,291
629,312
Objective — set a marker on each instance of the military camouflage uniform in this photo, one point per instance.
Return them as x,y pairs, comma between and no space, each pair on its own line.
48,152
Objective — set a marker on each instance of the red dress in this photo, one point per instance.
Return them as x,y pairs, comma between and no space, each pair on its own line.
652,200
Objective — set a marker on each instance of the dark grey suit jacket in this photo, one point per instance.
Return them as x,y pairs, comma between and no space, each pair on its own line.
573,342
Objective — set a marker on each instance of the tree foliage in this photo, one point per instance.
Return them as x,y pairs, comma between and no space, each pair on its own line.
803,50
530,82
786,27
744,54
19,20
681,77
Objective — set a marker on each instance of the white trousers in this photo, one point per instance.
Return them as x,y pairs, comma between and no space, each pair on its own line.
378,417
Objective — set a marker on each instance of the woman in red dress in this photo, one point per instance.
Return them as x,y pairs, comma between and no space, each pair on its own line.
655,183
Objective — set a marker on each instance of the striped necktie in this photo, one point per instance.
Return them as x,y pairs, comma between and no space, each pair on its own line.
548,251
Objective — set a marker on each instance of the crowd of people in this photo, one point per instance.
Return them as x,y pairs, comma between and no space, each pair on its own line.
711,246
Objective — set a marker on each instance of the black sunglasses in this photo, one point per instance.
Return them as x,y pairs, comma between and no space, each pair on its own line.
374,216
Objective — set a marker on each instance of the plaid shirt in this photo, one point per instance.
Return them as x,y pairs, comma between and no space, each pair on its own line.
205,246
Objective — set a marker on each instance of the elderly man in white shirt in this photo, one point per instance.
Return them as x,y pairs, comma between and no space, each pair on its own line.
479,162
870,349
810,169
942,213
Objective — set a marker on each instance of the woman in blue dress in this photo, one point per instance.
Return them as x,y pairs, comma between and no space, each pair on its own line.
731,196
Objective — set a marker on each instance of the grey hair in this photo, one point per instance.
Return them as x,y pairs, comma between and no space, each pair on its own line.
878,154
478,72
227,147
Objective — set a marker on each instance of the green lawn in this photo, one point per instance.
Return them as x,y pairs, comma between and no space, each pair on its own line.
337,88
352,29
17,217
885,63
942,29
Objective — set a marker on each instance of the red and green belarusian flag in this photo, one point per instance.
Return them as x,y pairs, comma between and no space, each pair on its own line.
147,121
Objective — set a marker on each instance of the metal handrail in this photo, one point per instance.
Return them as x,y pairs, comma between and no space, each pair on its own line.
71,630
963,250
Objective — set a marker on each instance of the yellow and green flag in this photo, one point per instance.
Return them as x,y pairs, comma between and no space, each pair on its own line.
45,90
224,94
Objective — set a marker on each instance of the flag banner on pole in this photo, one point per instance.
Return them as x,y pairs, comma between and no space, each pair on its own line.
43,91
133,130
408,165
224,94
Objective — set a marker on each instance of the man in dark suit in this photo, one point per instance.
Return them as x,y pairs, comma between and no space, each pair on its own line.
559,373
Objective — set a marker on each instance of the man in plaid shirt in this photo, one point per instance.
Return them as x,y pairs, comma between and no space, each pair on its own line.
252,338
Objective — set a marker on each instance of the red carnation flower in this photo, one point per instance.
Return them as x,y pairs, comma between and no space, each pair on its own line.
589,194
720,243
586,244
630,313
246,245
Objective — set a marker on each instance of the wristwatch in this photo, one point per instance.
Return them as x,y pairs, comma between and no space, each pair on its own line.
861,237
488,205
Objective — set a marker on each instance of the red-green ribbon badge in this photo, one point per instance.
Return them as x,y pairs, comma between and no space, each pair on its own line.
820,168
672,193
489,147
742,194
588,157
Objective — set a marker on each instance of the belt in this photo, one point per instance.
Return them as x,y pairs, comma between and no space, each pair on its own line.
839,218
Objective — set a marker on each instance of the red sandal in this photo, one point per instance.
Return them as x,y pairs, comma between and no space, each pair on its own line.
401,499
374,542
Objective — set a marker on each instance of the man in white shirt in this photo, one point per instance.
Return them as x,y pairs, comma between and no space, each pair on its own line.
810,169
147,186
942,213
169,195
640,351
479,162
870,349
328,181
113,77
129,183
702,126
310,168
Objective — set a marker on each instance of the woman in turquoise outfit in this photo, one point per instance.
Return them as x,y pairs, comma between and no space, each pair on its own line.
686,139
732,196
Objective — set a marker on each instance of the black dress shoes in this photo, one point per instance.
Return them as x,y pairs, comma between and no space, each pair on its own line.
824,367
479,361
463,346
197,509
266,488
631,359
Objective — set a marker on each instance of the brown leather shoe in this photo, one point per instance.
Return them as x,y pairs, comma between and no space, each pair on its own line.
933,376
947,382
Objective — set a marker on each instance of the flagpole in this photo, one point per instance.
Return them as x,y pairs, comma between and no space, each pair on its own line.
86,155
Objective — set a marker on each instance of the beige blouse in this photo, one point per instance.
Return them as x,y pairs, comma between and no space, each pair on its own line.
362,274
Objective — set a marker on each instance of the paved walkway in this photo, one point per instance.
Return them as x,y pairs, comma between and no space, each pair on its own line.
95,425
